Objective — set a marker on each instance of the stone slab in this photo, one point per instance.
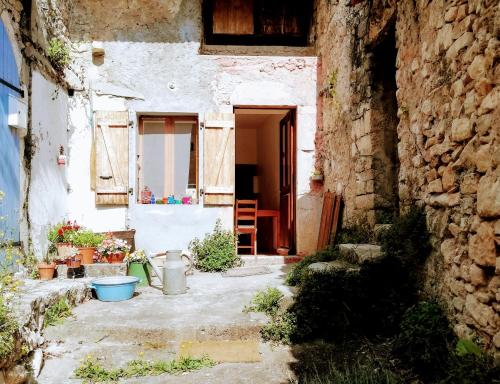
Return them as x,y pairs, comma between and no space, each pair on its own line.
223,351
361,253
100,270
247,271
325,266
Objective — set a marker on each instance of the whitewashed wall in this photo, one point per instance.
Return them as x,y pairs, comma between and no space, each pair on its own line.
48,197
166,73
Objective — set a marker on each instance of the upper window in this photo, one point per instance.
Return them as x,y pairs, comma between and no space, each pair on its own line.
167,158
257,22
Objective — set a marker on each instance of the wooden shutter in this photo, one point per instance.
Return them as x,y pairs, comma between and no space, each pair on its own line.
218,155
111,158
233,17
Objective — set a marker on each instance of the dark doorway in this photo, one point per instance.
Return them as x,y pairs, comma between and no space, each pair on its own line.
385,123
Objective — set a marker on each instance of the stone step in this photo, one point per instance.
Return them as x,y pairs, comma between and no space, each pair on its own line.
335,265
361,253
249,260
92,270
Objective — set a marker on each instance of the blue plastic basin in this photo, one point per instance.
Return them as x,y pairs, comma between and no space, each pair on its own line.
115,288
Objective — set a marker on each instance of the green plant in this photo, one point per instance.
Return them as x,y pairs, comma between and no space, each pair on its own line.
267,301
425,338
356,232
467,347
8,329
85,238
138,256
471,369
280,329
352,372
91,371
57,312
58,53
217,251
299,270
62,232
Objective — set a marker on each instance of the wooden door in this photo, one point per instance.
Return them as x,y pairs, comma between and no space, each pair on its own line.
287,182
219,158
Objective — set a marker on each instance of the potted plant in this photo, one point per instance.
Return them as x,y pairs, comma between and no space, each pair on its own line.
317,175
87,242
137,263
60,237
47,267
113,249
75,259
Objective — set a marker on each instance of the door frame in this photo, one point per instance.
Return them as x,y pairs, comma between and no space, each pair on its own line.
293,110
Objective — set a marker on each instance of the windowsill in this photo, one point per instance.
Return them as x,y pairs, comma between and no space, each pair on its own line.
259,50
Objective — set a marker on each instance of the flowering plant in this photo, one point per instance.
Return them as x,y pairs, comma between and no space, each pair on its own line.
112,245
139,256
62,232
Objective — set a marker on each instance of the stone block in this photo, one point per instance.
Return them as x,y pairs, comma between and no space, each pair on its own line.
462,42
448,178
477,275
435,186
461,129
490,102
361,253
468,184
445,200
478,68
365,202
449,248
488,195
482,246
364,145
481,313
101,270
335,265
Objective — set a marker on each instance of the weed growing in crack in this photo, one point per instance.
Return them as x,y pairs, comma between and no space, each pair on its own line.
91,370
57,312
267,301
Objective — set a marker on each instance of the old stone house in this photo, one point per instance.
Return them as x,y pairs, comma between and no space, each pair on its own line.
396,103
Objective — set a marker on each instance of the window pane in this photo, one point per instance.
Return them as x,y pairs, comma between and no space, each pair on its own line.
182,145
153,157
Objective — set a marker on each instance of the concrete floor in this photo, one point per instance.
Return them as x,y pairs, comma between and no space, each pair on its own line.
153,326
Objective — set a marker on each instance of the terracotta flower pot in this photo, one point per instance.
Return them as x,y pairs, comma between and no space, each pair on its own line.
87,255
64,250
46,271
115,258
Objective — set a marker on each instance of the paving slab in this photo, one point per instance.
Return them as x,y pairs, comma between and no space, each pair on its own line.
154,326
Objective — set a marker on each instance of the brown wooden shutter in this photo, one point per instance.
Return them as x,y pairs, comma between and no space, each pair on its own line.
234,17
218,152
111,158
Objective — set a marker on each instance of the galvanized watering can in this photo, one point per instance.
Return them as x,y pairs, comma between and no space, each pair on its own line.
174,273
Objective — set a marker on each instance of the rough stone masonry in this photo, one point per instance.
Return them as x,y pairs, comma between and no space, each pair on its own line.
447,129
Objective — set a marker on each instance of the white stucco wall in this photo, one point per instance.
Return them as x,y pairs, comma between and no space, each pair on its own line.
48,203
173,77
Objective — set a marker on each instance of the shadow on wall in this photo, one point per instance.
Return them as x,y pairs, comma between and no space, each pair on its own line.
150,21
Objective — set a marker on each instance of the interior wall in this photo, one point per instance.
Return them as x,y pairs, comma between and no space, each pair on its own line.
246,144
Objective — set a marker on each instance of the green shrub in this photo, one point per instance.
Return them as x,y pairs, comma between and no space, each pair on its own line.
471,369
407,239
267,301
8,329
299,270
357,232
58,53
57,312
352,372
281,328
85,238
217,251
425,339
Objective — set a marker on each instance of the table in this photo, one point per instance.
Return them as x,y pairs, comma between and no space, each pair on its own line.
275,215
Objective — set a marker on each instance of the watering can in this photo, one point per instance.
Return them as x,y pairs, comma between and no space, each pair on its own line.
174,273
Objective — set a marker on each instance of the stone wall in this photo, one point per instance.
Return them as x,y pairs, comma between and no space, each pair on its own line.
447,120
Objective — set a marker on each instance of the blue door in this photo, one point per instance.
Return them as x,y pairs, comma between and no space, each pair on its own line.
9,144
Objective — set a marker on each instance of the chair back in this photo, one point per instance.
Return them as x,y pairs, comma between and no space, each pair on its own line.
245,213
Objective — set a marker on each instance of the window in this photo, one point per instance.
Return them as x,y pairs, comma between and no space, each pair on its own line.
168,157
257,22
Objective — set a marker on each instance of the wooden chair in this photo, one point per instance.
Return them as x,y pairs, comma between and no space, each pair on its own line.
245,222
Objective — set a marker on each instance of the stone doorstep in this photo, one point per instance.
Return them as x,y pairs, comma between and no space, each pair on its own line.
361,253
249,260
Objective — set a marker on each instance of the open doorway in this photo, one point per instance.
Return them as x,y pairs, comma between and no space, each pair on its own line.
265,172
